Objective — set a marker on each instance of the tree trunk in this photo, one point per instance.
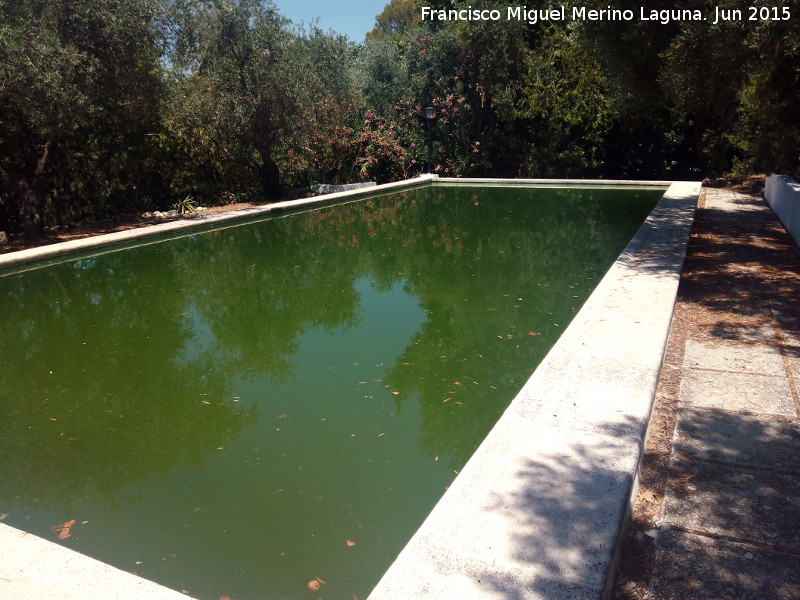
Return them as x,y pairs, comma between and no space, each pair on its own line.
30,214
30,196
268,173
29,206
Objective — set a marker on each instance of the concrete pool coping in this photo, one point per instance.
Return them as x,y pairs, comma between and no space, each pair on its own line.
193,224
34,257
539,509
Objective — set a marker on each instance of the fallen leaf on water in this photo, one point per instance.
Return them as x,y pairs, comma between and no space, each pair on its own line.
350,543
63,527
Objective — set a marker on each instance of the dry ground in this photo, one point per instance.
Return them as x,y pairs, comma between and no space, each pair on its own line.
118,223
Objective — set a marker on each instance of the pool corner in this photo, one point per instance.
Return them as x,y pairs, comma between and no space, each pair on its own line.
31,567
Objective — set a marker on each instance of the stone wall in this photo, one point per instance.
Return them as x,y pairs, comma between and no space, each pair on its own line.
782,193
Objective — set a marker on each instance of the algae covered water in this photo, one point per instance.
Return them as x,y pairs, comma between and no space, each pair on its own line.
264,410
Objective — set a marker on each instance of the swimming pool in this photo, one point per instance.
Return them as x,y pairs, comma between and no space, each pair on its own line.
219,354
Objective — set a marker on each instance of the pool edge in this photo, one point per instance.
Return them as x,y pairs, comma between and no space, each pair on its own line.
119,238
10,260
32,567
539,510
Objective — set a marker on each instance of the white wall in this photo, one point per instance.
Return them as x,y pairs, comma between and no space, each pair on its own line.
783,195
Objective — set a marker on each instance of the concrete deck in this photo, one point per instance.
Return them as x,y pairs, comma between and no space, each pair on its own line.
731,518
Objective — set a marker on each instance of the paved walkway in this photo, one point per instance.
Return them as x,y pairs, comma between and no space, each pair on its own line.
730,519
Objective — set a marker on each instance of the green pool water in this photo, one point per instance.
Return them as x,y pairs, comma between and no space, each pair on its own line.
246,410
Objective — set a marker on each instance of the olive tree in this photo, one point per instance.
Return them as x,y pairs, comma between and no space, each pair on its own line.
247,86
79,89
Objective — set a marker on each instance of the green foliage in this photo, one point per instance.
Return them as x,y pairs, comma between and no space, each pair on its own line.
186,206
109,105
249,90
395,19
698,97
386,152
768,103
566,109
232,98
384,74
327,154
79,91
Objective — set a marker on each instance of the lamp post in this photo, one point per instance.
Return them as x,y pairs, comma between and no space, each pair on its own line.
430,115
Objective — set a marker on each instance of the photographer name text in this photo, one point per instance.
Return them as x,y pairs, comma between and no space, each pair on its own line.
533,16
